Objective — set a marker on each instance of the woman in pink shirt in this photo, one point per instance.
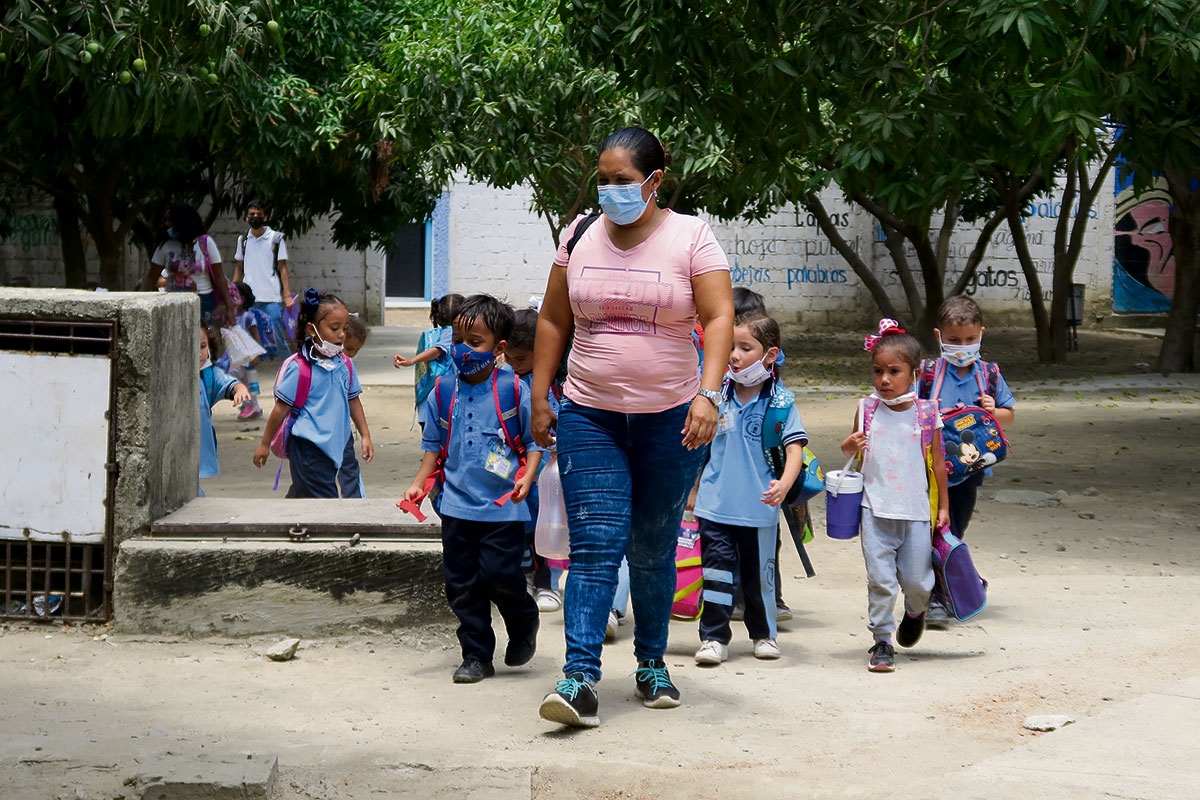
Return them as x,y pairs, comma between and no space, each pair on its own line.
636,418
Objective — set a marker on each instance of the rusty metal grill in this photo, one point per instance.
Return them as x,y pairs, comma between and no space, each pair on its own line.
64,582
58,336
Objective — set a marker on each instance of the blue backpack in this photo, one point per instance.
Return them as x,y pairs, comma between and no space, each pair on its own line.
811,481
506,393
427,373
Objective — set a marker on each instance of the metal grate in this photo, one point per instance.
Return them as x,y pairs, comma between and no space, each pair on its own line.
51,581
64,582
59,336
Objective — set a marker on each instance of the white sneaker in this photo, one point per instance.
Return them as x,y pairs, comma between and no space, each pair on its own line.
548,601
610,629
711,652
766,649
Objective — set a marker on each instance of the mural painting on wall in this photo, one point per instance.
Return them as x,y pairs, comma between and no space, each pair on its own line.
1143,256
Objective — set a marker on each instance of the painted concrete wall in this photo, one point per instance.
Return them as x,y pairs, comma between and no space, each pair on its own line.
33,250
157,411
499,245
489,240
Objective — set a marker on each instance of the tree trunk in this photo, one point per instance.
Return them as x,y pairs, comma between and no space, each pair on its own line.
1041,320
1178,347
71,242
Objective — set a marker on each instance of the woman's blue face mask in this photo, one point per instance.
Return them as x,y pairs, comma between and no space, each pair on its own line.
622,202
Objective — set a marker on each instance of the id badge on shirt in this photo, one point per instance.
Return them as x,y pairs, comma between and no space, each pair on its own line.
498,462
724,422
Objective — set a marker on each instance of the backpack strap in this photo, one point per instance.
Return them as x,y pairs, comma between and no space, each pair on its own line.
303,380
580,227
276,238
925,382
504,414
927,415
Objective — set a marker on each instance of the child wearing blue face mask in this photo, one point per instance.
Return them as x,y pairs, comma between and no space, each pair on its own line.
737,503
482,457
330,390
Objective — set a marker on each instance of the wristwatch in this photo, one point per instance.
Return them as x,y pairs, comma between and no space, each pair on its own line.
713,397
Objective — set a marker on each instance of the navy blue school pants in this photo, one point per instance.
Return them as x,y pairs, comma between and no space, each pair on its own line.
482,565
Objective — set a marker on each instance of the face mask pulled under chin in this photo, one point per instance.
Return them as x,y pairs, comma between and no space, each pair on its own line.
900,400
327,349
750,375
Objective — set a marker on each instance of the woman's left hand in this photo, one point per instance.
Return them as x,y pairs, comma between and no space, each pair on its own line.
701,424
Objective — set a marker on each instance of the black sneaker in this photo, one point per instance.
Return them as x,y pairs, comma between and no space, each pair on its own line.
910,630
782,612
573,702
519,651
473,671
883,657
654,687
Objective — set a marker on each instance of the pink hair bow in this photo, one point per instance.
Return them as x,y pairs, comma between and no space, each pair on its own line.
887,327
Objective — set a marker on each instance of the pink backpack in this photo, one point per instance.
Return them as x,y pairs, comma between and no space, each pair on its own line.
689,573
279,442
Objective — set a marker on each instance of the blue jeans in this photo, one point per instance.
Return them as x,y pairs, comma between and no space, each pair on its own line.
625,480
274,312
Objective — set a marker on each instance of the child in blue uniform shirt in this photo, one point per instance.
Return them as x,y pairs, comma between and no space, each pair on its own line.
965,379
322,427
482,542
215,385
737,503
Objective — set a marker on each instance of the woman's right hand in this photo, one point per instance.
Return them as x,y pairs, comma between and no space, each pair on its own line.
542,422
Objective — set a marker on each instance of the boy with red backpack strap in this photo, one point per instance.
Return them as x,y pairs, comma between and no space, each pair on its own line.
479,450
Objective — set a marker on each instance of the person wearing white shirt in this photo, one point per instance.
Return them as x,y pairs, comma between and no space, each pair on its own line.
261,261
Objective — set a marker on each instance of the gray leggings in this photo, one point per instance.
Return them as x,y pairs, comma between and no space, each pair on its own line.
898,554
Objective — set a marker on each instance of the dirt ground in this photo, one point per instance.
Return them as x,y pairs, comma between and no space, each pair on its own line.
1085,612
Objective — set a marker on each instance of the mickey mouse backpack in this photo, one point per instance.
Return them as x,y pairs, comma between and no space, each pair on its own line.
972,437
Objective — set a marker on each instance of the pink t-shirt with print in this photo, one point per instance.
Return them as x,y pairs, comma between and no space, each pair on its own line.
634,313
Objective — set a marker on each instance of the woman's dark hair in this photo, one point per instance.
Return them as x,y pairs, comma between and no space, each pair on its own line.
746,301
645,150
524,329
443,310
186,222
497,315
246,292
313,307
903,345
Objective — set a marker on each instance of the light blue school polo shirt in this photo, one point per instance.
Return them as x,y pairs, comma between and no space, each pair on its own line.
475,434
215,386
965,389
325,418
737,474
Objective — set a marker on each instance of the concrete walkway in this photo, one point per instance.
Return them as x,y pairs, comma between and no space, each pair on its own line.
1142,748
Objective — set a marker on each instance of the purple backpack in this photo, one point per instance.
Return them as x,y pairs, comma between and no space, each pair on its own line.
957,577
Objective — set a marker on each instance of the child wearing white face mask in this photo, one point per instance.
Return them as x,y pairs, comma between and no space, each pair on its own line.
737,503
318,386
904,491
960,376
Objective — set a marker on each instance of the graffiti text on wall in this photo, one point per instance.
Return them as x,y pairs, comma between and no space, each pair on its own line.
750,275
30,231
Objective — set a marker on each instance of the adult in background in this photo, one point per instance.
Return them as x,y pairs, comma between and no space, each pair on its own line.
261,260
636,418
188,259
